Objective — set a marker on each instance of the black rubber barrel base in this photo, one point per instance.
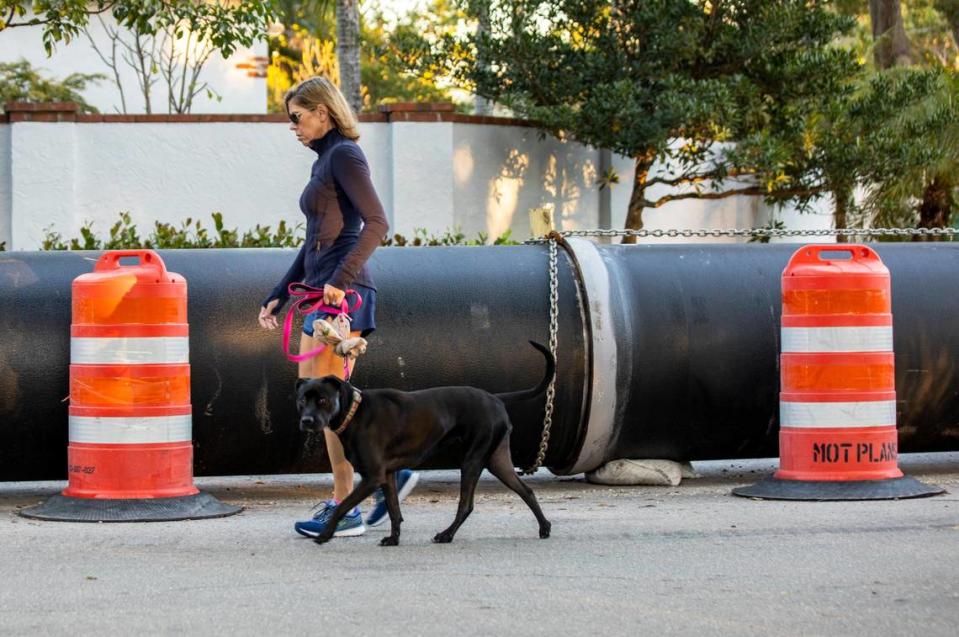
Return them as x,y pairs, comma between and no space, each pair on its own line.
61,508
892,489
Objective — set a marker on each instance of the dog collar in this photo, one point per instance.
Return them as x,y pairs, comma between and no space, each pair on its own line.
357,399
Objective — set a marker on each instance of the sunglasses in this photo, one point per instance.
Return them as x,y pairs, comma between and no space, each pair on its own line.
296,117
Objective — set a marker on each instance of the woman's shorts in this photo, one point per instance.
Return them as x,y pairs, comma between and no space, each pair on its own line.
364,319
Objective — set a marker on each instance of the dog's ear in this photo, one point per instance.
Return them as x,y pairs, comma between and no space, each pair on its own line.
346,393
300,382
342,388
331,379
335,382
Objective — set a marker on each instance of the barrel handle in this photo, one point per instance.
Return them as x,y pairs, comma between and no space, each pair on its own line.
813,253
110,260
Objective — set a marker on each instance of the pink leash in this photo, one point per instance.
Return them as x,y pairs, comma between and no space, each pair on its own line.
310,299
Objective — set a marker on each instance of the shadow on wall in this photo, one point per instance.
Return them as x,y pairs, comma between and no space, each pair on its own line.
500,177
503,193
570,182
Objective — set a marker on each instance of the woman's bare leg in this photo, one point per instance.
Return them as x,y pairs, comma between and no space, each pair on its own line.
327,363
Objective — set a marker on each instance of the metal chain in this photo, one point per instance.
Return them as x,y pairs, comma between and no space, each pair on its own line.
553,341
770,233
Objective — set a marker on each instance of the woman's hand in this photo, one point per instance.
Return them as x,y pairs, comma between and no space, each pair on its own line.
332,296
267,319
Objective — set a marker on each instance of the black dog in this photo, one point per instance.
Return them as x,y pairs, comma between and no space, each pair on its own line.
384,430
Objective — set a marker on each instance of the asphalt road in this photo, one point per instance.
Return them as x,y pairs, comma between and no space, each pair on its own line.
679,560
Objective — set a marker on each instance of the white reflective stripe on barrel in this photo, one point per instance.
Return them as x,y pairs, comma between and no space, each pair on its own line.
837,339
131,429
875,413
130,350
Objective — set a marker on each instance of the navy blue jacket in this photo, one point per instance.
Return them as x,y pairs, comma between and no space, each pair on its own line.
345,221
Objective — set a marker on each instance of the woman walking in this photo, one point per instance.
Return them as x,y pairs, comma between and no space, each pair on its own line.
345,223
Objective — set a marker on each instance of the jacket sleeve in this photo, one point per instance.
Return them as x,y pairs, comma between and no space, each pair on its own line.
295,273
352,173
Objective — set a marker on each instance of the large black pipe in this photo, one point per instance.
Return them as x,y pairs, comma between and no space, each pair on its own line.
665,351
445,316
694,333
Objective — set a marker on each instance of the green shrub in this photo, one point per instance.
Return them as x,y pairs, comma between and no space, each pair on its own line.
421,237
192,234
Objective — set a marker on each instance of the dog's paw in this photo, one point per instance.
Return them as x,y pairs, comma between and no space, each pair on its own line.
544,530
443,538
321,540
390,541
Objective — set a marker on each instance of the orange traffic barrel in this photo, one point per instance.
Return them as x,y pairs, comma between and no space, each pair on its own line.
130,453
837,404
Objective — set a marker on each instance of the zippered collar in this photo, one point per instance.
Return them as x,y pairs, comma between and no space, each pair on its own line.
322,144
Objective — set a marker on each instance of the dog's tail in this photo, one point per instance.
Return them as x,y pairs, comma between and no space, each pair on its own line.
527,394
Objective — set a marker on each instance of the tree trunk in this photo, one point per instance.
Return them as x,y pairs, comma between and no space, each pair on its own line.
892,44
481,105
935,209
842,197
634,214
348,50
950,11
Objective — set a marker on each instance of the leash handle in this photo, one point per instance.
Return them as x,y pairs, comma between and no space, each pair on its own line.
310,299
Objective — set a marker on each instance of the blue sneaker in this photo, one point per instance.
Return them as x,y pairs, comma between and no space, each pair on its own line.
405,481
350,525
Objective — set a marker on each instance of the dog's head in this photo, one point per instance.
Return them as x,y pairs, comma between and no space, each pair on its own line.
319,401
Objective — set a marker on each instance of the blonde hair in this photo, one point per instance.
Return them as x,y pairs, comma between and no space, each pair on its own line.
317,91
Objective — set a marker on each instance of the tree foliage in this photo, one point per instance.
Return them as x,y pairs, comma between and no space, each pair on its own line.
21,82
385,77
225,24
893,135
907,117
61,20
914,179
305,46
777,98
158,39
931,27
665,81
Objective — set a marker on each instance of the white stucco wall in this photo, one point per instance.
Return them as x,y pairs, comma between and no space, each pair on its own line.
6,205
422,176
438,176
240,94
375,140
65,174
